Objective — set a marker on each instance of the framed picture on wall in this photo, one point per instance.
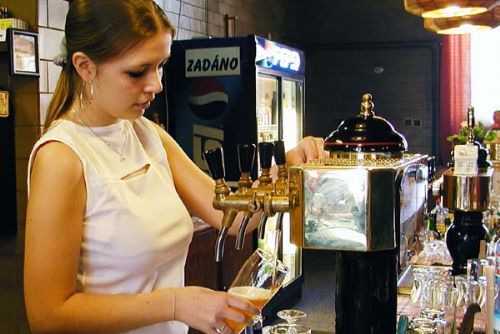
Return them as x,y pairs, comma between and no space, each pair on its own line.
23,50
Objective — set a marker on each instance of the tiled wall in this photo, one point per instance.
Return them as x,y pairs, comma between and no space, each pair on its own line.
24,105
345,41
32,96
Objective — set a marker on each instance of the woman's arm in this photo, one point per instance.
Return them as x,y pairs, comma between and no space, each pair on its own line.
54,230
196,188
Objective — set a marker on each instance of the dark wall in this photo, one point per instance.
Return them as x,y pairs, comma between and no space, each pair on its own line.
359,46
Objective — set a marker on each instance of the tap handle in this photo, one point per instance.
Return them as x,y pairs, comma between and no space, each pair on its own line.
279,152
215,162
246,155
266,154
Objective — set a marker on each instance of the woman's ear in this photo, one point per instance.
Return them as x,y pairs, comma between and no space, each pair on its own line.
84,66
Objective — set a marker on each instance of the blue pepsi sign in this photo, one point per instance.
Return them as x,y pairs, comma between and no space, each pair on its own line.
278,57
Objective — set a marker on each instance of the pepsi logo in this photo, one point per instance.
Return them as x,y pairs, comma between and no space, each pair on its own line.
208,99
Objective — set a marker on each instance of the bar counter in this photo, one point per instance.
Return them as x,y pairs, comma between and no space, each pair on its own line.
318,299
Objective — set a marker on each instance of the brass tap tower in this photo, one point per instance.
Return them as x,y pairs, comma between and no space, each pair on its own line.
268,197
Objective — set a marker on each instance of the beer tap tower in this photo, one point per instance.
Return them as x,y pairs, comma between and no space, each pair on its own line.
466,188
365,202
268,197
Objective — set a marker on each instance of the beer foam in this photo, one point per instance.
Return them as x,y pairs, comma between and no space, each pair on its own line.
251,293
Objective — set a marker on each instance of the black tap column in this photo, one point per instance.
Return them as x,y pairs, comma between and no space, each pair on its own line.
366,292
366,281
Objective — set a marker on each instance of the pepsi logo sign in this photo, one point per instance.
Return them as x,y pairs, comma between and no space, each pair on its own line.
208,99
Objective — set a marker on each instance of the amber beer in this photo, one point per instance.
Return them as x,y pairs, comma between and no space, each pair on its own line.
257,296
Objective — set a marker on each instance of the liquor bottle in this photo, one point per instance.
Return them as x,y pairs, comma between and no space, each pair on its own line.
496,324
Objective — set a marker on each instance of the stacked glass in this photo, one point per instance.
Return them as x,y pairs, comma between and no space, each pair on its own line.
435,293
443,298
291,326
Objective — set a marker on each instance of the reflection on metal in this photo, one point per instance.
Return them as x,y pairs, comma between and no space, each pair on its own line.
467,192
343,205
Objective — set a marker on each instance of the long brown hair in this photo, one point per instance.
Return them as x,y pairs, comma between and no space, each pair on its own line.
102,29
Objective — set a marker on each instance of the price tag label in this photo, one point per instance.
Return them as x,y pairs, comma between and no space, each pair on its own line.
466,159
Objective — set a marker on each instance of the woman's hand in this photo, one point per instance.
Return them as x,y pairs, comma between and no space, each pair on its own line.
307,149
206,309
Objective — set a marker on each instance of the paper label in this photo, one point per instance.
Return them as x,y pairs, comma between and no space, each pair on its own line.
466,159
4,104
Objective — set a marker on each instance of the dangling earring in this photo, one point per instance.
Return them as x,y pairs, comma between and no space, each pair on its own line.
81,96
91,97
91,94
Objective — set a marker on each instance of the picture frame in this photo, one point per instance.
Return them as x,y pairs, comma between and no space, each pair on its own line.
23,51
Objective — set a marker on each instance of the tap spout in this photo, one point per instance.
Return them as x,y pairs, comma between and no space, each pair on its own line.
240,238
279,219
262,226
227,221
219,244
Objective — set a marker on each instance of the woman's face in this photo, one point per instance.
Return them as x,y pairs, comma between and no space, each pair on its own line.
125,86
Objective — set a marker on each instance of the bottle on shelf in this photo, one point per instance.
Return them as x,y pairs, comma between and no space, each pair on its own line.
438,221
496,321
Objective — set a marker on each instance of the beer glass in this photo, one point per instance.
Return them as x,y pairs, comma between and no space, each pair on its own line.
258,280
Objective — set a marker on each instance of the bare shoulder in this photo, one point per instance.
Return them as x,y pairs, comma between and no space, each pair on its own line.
57,159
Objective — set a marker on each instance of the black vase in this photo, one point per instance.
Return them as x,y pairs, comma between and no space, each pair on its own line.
463,238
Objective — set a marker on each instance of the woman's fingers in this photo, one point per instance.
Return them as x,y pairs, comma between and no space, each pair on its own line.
222,328
242,304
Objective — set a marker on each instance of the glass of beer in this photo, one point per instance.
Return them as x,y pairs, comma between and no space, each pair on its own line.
258,280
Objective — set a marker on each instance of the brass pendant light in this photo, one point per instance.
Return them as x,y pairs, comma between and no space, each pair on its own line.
448,8
464,24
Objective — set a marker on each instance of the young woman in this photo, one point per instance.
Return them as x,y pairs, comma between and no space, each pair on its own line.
111,194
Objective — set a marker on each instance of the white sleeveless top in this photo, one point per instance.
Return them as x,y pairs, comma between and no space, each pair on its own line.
136,230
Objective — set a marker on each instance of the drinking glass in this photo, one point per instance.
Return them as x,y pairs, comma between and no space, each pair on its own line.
291,316
258,280
290,327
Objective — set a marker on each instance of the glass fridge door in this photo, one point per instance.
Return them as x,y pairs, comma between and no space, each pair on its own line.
267,108
291,132
291,101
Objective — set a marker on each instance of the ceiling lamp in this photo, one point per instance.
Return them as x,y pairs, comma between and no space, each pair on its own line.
464,24
448,8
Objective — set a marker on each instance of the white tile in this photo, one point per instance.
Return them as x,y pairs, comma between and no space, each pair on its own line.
184,34
43,82
53,76
187,10
44,105
173,18
196,26
197,3
215,30
184,23
42,13
57,13
215,18
172,6
50,41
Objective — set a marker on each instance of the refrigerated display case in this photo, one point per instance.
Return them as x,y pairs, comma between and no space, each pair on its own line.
225,91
